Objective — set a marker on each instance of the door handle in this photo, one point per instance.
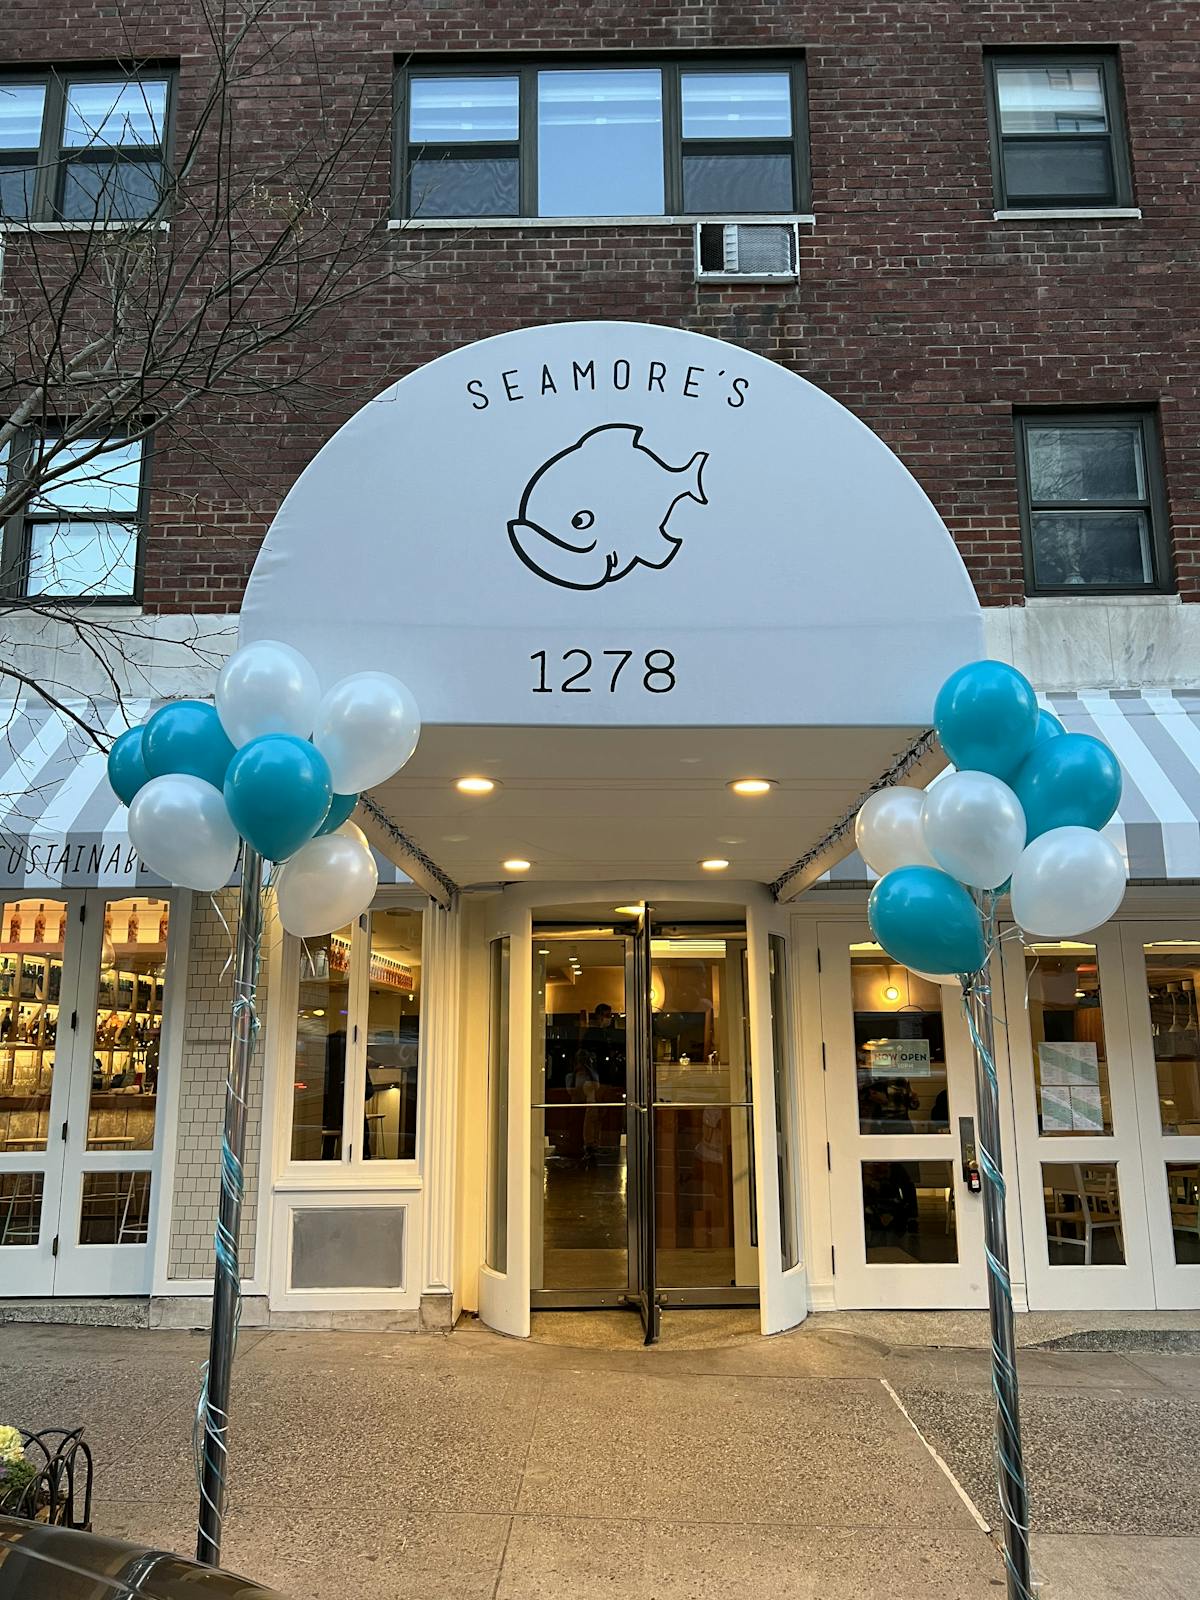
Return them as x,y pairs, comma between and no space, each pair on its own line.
970,1155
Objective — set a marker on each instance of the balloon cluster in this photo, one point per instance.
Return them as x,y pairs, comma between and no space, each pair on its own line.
273,762
1021,813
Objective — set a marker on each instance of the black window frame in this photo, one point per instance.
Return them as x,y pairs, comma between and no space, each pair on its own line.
53,156
526,68
1154,504
1116,137
16,532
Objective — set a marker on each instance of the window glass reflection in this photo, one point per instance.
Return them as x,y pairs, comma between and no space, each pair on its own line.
318,1089
472,110
899,1044
908,1212
1066,1025
129,1012
32,936
600,143
20,1207
1171,969
115,114
393,1036
115,1208
736,105
1066,99
1083,1214
1183,1193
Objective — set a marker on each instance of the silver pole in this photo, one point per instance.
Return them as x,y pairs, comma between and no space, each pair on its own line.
214,1411
1010,1468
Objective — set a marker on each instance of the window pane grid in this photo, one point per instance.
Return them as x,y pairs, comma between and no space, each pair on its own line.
78,539
83,149
1056,125
1089,503
592,139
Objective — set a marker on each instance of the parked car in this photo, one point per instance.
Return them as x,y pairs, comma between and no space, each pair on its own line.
39,1562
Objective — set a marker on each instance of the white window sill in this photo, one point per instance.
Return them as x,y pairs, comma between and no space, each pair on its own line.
84,227
1070,214
401,1177
432,224
1104,600
747,277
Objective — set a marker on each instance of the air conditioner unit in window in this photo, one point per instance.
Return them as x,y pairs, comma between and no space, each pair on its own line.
756,250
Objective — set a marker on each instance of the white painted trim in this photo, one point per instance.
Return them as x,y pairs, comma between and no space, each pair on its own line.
1069,214
405,1298
84,227
438,1091
457,224
179,949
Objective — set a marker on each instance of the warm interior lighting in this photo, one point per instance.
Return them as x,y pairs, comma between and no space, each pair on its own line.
474,785
751,785
714,864
891,992
515,865
629,911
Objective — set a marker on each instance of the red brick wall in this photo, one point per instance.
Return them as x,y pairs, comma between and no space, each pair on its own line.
927,318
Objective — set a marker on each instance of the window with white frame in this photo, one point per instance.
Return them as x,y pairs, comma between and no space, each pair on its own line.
87,146
358,1027
78,536
605,138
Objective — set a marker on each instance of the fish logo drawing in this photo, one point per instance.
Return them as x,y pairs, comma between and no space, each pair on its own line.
592,512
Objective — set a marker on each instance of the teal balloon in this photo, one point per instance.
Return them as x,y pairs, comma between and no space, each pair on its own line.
187,736
341,809
925,919
986,716
277,791
1048,727
1073,781
126,765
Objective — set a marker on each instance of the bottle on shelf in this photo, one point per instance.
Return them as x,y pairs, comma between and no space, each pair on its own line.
14,926
163,923
39,925
131,928
62,927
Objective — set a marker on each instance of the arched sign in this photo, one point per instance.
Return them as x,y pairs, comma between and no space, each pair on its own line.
617,524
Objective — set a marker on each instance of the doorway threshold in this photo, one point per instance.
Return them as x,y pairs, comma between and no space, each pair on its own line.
123,1311
715,1328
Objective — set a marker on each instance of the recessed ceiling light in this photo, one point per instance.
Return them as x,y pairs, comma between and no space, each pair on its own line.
752,785
715,864
891,992
455,838
731,838
516,865
628,911
474,785
545,950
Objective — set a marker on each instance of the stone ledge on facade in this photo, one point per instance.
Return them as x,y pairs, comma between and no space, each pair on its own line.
130,1311
1118,642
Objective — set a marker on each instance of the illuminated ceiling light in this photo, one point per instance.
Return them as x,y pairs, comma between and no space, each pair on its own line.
629,911
474,785
714,864
752,785
891,992
544,951
516,865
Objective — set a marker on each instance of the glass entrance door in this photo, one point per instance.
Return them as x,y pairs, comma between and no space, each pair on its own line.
899,1090
82,991
643,1187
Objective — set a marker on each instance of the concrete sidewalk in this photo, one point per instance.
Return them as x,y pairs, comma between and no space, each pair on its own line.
580,1464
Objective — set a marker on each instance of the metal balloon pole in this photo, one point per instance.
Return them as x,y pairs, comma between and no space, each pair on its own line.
1010,1468
212,1418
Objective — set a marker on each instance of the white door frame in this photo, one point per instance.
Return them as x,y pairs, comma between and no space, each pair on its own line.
28,1269
1071,1287
1176,1287
856,1282
783,1290
504,1296
117,1269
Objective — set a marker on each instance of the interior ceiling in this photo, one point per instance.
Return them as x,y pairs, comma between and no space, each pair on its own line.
609,804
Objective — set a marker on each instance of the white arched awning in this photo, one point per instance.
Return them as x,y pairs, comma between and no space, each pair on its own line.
621,565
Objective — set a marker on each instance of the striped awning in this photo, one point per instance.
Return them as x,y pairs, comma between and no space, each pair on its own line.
61,826
1156,738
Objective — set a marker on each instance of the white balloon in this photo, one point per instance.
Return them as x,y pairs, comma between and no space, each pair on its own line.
180,828
1067,881
974,828
351,830
367,726
887,830
329,881
267,687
